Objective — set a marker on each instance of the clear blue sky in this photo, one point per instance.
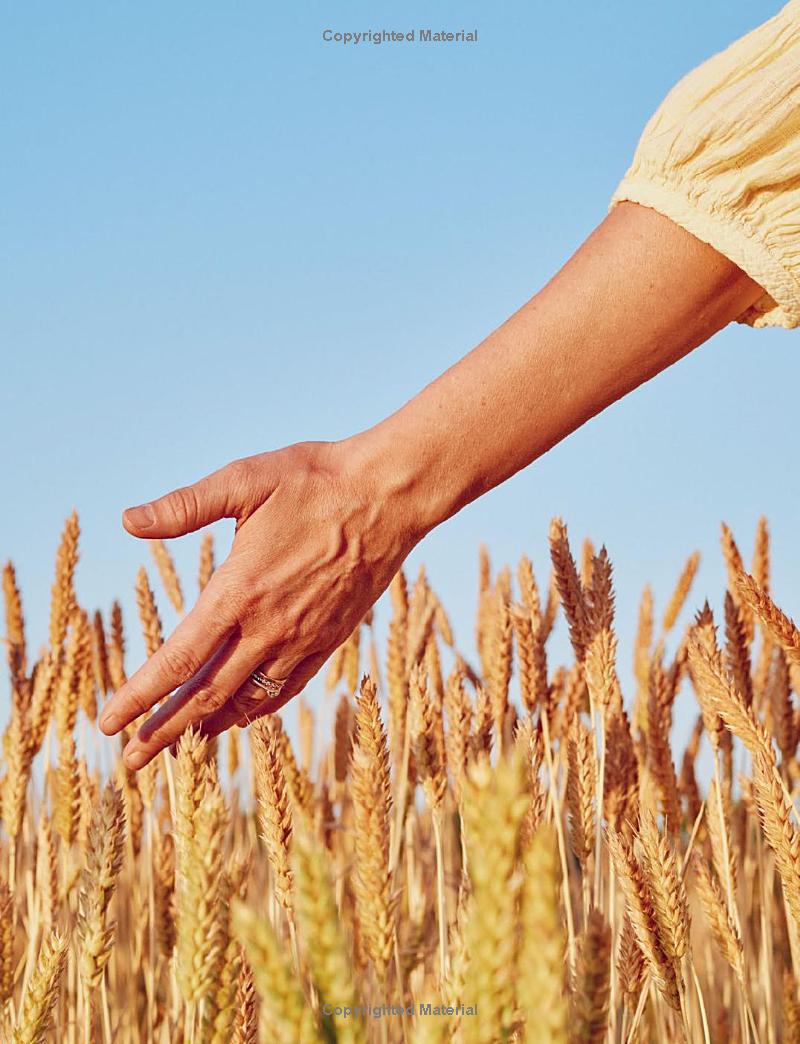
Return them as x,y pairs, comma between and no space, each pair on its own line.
220,235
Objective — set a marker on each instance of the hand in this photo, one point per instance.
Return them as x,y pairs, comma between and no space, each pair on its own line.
316,543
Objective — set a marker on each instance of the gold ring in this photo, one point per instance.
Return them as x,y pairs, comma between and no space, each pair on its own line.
271,686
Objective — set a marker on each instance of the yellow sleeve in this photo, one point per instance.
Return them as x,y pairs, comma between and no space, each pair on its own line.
721,158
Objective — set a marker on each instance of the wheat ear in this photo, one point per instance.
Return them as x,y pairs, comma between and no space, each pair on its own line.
62,603
273,799
681,592
775,622
320,927
371,816
494,808
725,933
201,903
104,860
593,981
165,564
639,908
41,995
286,1015
541,979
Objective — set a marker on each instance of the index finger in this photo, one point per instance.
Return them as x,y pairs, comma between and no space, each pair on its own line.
181,656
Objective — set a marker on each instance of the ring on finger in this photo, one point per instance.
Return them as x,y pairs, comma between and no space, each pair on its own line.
271,686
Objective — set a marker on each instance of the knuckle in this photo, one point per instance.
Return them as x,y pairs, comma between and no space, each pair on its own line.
159,738
214,599
245,702
240,472
182,507
180,662
137,699
285,662
216,594
245,482
208,698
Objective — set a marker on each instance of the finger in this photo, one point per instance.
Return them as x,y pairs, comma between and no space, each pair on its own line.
211,687
239,711
229,492
192,642
245,706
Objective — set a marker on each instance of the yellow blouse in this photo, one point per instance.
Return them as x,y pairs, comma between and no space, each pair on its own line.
721,158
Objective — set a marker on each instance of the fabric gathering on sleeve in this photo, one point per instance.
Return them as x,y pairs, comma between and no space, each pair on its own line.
721,158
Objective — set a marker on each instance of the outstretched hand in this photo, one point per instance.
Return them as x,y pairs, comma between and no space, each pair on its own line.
323,527
315,546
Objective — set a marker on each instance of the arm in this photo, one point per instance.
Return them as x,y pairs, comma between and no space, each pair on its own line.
637,296
323,527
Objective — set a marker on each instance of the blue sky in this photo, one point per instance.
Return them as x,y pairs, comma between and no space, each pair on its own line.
221,235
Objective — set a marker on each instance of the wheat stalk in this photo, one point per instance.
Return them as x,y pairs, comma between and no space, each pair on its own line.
259,895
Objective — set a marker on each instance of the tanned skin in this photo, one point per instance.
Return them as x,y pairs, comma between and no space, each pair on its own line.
323,526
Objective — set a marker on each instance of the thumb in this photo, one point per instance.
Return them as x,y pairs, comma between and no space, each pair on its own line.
222,494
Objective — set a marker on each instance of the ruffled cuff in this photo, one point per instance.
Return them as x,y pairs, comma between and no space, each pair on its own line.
710,222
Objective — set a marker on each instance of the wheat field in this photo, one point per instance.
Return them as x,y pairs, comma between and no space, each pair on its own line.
498,850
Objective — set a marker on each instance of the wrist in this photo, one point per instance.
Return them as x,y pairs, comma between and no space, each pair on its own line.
403,476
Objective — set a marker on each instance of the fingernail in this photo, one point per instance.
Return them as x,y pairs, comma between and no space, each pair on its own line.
143,516
110,723
136,759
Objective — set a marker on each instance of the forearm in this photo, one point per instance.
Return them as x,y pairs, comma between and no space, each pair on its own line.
637,296
322,527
